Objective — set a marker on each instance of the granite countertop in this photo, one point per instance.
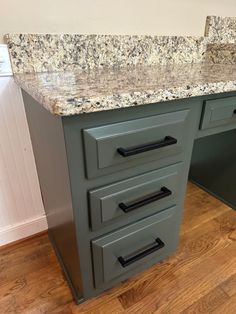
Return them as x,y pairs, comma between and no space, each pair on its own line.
74,73
80,91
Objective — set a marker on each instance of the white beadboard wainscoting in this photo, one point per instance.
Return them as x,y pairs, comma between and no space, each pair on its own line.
21,208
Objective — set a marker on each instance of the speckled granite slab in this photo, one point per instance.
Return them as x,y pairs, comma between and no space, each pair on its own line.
77,92
54,52
221,29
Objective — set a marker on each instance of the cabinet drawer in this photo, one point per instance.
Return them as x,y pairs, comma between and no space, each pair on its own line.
219,112
143,243
138,197
139,140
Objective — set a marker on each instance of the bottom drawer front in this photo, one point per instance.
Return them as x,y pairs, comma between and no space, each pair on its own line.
127,249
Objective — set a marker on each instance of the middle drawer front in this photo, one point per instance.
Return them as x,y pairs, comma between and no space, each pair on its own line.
137,197
120,254
126,144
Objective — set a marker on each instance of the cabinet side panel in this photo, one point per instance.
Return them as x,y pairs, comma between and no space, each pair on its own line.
213,166
50,156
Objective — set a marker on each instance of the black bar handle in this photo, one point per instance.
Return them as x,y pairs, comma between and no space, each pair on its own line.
126,262
164,192
126,152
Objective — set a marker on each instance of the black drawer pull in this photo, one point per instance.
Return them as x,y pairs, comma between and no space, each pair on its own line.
164,192
126,152
126,262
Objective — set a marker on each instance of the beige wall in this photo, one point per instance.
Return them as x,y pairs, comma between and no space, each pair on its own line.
162,17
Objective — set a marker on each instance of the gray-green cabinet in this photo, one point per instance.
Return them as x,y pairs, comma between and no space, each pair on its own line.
113,184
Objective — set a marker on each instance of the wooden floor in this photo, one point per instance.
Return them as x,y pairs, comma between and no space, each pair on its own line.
199,278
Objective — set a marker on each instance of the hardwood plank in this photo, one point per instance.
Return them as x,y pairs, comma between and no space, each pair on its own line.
37,290
229,286
202,207
229,307
192,188
177,291
17,242
30,256
208,277
104,308
209,302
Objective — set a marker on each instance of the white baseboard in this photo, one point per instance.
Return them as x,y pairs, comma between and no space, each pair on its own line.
22,230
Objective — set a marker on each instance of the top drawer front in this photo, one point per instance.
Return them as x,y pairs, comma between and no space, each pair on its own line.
141,140
219,112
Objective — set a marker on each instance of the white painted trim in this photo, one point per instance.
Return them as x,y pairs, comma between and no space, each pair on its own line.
23,229
21,207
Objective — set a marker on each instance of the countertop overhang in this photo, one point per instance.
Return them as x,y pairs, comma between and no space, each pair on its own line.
85,91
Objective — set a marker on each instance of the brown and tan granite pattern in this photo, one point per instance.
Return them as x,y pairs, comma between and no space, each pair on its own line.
67,52
78,92
221,53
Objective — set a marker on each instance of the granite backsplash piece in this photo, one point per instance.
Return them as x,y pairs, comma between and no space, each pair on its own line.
32,53
221,29
54,52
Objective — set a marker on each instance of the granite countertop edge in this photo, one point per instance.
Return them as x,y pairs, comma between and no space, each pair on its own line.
80,105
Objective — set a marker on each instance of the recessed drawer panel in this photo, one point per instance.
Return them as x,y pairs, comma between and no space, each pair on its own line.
219,112
128,249
138,197
143,139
